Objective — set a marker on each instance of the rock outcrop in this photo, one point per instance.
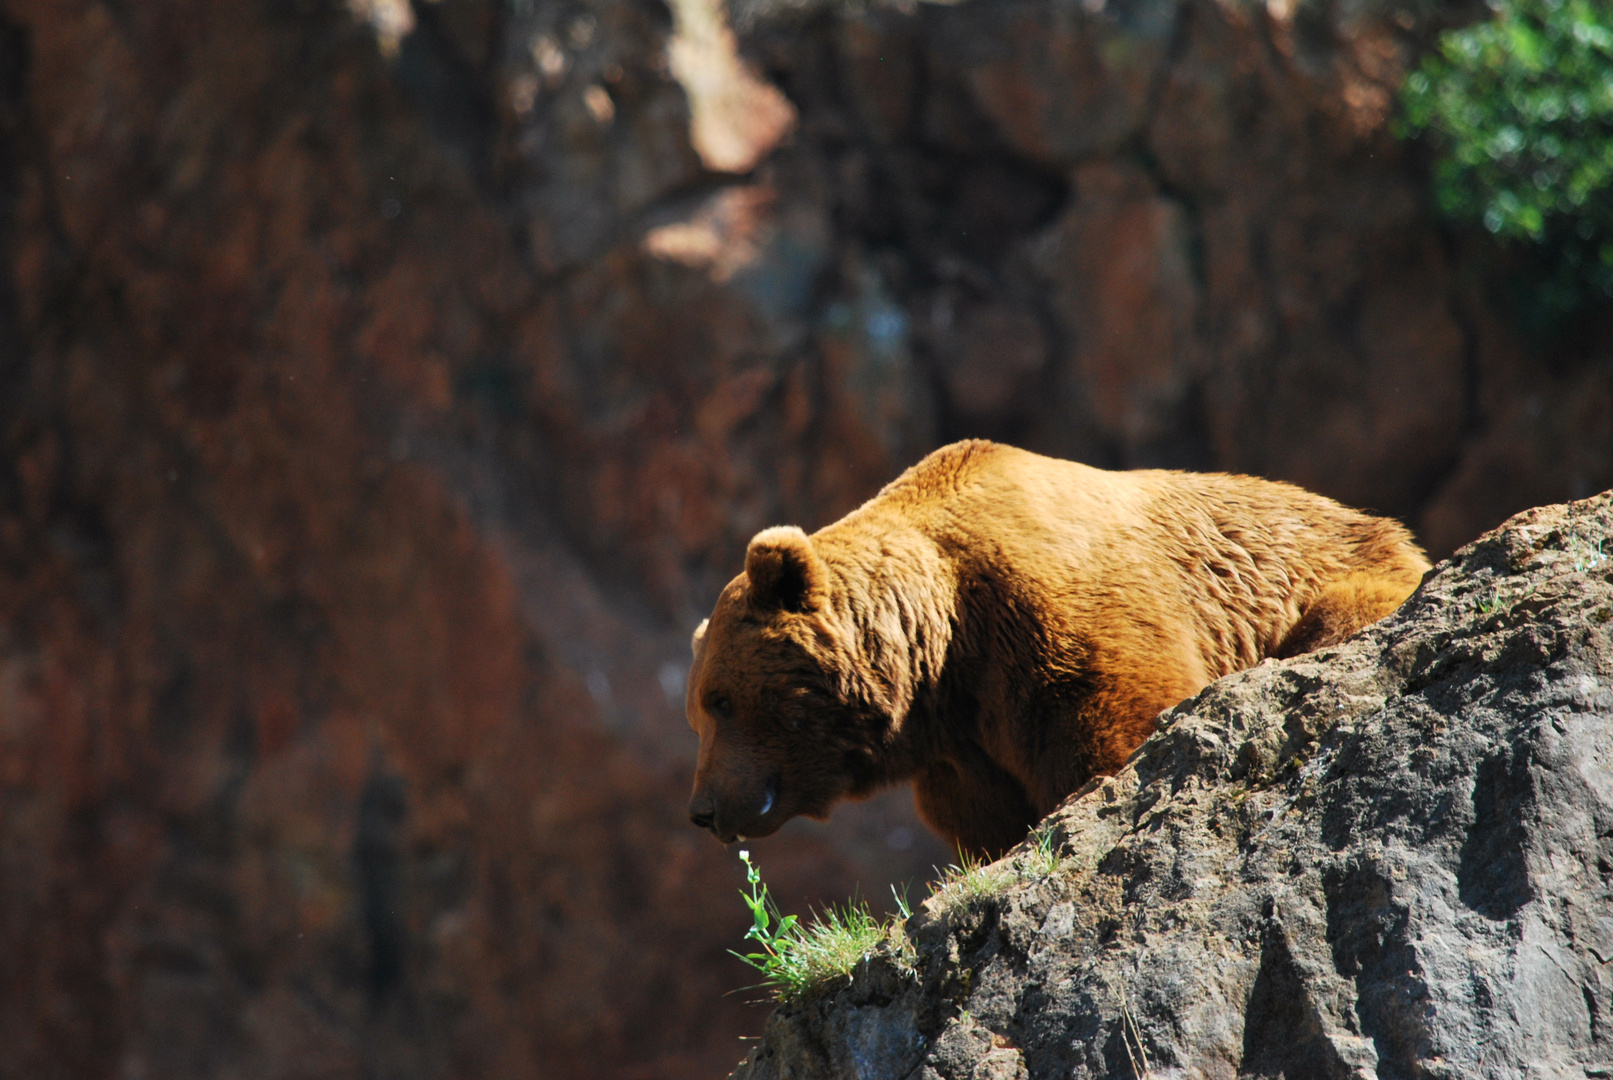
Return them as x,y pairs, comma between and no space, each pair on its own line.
1389,859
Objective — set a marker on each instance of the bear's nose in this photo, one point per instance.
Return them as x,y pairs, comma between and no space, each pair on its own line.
702,811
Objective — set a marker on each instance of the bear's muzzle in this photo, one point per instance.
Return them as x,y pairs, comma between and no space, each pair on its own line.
732,819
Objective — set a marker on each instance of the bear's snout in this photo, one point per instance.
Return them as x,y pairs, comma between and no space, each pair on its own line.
703,811
730,819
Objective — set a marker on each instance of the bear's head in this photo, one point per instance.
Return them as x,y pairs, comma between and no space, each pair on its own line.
775,695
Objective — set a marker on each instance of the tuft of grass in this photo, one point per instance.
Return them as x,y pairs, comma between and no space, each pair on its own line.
1502,598
1043,857
969,880
1488,603
799,960
1586,555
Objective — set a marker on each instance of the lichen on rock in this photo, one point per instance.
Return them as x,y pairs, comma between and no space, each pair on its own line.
1392,858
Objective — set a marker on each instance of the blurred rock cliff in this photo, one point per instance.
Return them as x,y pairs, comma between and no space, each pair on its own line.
386,391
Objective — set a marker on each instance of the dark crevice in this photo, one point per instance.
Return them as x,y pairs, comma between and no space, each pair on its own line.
944,223
1493,875
1367,930
1282,1030
14,67
1593,1013
378,865
1419,161
455,98
1175,52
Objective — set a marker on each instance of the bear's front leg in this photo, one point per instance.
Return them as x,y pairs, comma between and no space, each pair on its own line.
977,807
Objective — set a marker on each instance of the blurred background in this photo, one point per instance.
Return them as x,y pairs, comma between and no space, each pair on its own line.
387,389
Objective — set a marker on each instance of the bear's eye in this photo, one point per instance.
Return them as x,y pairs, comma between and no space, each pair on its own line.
719,706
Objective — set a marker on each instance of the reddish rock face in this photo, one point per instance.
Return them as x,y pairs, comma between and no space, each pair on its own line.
1126,300
314,753
1202,213
376,430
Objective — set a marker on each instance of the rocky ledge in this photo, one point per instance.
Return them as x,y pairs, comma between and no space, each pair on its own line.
1393,858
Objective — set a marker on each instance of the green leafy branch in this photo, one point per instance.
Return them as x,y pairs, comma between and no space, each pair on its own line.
1521,107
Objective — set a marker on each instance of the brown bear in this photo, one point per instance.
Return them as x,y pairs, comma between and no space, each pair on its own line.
1000,627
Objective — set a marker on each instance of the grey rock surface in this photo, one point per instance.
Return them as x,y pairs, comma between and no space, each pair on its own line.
1393,858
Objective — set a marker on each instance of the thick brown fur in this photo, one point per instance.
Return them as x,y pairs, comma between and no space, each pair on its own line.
1000,627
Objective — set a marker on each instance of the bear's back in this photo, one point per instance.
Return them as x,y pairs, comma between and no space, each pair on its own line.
1227,562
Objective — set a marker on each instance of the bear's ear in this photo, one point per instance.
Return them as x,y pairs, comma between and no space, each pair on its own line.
785,573
699,633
